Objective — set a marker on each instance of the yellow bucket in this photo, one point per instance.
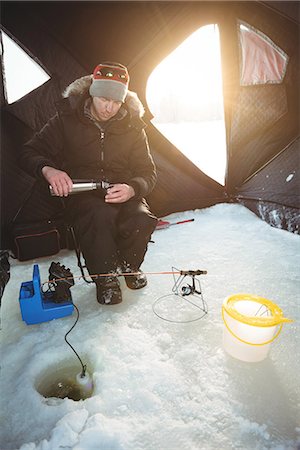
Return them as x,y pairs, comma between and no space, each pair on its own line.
252,323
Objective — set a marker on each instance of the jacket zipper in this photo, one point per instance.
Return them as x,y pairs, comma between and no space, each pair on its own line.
102,145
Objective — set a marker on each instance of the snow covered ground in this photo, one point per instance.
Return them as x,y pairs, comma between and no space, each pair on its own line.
161,385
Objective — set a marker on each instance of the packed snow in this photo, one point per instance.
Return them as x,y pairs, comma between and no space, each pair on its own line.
158,384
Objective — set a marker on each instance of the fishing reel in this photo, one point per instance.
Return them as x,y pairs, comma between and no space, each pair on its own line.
188,289
60,281
186,303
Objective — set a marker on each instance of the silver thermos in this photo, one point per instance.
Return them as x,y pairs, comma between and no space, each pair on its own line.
83,186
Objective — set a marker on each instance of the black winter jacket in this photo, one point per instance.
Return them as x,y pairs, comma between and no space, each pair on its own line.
70,141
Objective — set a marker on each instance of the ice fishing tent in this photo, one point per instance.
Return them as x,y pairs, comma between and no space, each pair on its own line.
260,88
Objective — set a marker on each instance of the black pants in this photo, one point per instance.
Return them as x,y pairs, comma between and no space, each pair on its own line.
110,235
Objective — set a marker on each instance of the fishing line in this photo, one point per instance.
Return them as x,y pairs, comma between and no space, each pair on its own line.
127,274
191,287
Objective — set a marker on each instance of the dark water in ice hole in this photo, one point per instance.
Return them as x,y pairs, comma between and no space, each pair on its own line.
60,382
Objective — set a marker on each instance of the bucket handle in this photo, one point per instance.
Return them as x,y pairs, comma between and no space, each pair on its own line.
251,343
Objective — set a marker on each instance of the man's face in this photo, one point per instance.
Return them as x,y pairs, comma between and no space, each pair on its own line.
105,108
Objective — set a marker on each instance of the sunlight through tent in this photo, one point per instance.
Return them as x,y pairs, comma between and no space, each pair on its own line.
14,60
184,94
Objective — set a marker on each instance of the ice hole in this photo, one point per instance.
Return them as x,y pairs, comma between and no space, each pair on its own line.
64,381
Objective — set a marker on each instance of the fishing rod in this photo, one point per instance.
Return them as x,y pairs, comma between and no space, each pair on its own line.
124,274
162,224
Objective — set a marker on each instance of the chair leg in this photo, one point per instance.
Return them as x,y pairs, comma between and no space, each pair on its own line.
81,266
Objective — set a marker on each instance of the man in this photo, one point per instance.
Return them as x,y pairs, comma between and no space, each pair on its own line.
98,133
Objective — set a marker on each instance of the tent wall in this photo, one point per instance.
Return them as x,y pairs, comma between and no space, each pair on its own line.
273,192
265,118
70,38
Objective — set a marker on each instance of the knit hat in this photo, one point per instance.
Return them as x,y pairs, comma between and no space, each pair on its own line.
110,80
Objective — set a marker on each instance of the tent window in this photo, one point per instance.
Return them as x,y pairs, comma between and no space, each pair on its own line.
21,73
184,94
261,61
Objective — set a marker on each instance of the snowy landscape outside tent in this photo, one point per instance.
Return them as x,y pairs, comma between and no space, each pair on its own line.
203,143
161,385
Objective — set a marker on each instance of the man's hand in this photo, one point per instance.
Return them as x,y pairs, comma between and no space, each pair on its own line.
60,181
119,193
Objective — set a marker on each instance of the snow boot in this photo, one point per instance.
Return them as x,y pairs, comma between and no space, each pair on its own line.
108,291
136,281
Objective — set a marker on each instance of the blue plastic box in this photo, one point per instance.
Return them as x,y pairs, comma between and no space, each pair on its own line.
36,307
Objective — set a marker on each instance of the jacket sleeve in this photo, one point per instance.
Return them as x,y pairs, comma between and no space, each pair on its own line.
143,168
43,149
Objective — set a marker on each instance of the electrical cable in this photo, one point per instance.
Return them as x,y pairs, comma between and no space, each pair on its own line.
58,291
70,345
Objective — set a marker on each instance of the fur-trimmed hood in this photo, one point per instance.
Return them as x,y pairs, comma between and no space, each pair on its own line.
81,87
